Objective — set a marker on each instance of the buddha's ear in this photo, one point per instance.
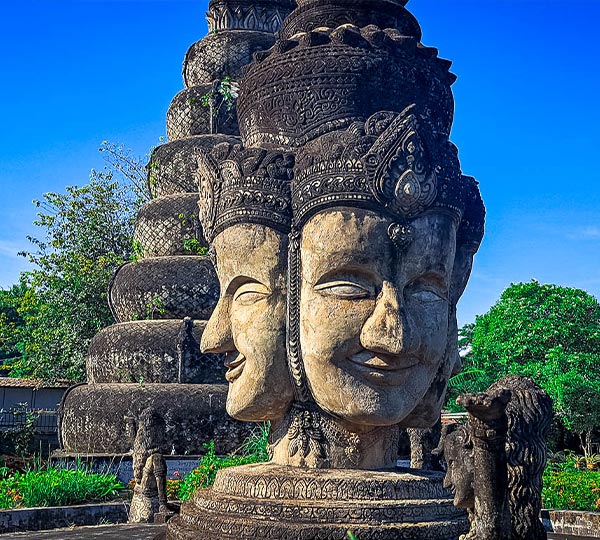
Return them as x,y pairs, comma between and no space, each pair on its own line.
461,271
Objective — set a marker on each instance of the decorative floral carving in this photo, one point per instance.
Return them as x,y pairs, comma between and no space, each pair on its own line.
305,435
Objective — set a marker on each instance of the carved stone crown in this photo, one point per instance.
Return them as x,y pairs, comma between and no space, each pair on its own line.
311,14
326,79
391,163
240,185
261,15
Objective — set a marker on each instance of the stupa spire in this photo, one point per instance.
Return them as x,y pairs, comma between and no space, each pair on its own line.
261,15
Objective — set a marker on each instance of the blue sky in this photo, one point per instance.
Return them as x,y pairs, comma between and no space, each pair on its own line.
77,72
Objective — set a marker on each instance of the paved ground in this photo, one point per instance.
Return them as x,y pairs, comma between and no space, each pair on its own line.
555,536
103,532
144,532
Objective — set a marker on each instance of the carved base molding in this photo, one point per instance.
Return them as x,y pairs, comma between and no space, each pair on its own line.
268,502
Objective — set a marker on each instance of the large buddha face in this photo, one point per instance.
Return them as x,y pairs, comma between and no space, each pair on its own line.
374,317
248,324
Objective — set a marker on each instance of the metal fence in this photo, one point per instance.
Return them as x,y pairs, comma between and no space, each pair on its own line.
45,421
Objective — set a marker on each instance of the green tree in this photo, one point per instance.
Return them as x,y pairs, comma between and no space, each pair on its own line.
548,333
61,304
11,322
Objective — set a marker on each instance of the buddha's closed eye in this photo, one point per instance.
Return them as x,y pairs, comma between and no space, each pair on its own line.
426,296
250,293
344,289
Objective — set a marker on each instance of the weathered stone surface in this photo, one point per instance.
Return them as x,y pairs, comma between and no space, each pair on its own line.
269,502
223,54
260,15
423,443
586,525
387,362
149,468
169,226
95,418
164,288
162,351
187,115
381,227
249,325
496,462
340,79
172,167
245,207
312,14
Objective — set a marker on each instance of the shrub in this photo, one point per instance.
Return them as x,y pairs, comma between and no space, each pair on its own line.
254,450
572,483
572,490
56,487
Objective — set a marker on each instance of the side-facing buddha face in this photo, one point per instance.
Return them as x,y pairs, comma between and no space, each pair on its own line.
458,454
374,317
248,324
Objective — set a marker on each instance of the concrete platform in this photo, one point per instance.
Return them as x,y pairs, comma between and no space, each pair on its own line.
101,532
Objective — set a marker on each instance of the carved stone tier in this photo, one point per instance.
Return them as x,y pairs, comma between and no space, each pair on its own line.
264,501
223,54
169,226
326,80
93,418
190,115
172,167
312,14
261,15
164,288
152,352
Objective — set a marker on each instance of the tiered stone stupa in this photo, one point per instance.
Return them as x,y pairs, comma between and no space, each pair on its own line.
346,232
151,358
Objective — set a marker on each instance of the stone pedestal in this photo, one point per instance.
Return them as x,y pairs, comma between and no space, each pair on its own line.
265,501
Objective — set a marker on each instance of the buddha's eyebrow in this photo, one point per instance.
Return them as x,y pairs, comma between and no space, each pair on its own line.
236,282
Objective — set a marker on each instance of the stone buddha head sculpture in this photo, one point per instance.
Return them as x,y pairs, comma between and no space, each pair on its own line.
245,214
385,230
457,449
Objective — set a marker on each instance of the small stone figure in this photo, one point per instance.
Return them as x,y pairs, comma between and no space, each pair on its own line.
458,454
529,414
503,444
149,469
423,442
488,426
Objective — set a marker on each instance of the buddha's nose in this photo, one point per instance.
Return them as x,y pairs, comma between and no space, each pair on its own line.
217,336
390,329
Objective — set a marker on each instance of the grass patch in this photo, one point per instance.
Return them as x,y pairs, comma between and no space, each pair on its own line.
254,450
56,487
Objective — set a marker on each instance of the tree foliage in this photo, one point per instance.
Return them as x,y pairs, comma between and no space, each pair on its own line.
48,319
548,333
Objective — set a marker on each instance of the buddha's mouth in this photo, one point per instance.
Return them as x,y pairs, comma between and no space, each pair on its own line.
382,368
234,362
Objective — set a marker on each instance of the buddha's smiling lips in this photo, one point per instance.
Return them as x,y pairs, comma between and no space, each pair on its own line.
234,362
382,369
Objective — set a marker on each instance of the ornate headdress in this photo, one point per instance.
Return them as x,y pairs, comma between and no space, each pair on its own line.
240,185
392,163
326,79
